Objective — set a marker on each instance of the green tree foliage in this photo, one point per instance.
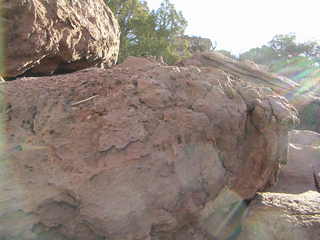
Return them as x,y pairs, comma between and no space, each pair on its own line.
286,46
128,13
282,47
264,55
148,33
284,55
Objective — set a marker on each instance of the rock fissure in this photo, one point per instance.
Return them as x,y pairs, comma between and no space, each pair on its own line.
316,180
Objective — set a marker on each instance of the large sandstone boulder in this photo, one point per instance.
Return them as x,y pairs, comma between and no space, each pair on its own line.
291,209
275,216
45,37
194,44
139,151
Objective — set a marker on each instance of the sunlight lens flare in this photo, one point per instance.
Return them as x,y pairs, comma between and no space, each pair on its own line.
304,71
222,218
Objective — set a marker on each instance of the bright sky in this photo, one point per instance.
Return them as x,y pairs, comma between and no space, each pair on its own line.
238,25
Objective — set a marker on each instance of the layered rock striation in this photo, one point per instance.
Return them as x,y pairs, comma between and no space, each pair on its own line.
246,70
304,97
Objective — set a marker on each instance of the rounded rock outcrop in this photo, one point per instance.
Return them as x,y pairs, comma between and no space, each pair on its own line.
138,151
44,37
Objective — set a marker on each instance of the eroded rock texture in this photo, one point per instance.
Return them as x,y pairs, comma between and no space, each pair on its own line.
275,216
304,98
139,151
45,37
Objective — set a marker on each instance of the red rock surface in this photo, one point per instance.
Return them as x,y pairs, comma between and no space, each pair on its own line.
305,100
43,37
139,151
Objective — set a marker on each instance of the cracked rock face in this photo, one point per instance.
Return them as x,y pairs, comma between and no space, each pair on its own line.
139,151
45,37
